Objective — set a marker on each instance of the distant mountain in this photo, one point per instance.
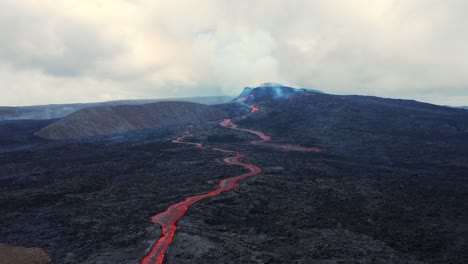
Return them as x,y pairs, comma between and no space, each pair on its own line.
105,120
61,110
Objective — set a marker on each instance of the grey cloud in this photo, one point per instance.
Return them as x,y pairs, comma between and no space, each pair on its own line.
56,45
137,49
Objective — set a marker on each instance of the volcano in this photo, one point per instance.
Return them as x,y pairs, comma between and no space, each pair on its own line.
270,91
309,177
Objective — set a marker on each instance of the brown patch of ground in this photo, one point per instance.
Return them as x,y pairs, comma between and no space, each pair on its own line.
22,255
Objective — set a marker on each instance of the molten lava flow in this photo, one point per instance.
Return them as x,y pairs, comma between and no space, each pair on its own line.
254,109
185,134
244,98
228,123
287,147
169,218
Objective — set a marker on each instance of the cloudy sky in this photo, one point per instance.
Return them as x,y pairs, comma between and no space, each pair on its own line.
59,51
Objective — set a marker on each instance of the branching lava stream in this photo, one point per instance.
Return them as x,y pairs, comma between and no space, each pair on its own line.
169,218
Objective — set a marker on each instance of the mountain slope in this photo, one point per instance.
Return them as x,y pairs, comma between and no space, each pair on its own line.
105,120
367,126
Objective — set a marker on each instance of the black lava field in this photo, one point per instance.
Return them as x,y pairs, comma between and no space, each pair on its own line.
307,178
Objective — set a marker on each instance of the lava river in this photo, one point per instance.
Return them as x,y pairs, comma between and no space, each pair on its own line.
169,218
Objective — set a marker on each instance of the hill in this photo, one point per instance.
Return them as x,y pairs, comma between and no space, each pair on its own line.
105,120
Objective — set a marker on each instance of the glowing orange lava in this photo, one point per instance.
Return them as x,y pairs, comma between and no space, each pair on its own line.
169,218
254,109
185,134
228,123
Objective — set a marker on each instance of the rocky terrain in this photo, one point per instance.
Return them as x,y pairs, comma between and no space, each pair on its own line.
106,120
390,186
61,110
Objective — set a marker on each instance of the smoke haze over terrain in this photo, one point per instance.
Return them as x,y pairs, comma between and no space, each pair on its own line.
83,51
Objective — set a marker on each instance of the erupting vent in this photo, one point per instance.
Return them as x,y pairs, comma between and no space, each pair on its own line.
254,109
251,97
